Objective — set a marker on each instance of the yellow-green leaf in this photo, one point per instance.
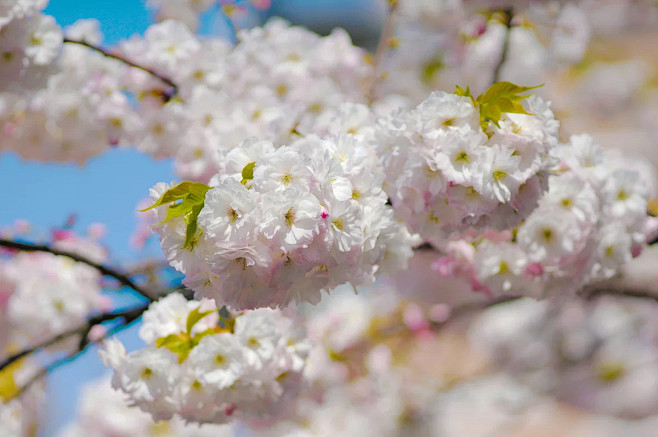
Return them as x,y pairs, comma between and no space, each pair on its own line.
248,172
192,196
197,337
194,190
8,387
500,98
190,218
180,344
432,68
194,317
464,92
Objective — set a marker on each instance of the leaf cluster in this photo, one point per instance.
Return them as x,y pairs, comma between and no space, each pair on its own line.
500,98
185,200
182,343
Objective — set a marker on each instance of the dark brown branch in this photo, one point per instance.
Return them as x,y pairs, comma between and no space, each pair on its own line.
128,316
170,83
508,14
37,376
426,246
107,271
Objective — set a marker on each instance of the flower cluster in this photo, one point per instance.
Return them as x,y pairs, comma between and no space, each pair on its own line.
80,112
275,77
10,11
29,45
283,224
208,366
589,224
104,412
443,42
42,294
454,163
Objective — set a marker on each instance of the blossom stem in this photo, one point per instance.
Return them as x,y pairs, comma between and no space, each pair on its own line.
170,83
508,14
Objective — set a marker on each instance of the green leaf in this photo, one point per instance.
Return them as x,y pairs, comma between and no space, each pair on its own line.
185,189
190,219
500,98
464,92
194,317
248,172
197,337
432,68
180,344
192,196
177,210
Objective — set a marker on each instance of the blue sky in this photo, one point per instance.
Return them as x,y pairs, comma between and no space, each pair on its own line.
108,188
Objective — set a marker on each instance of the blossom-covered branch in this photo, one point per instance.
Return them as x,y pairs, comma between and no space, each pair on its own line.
107,271
107,54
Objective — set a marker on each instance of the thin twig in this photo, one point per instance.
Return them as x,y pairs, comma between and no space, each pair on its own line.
49,342
508,14
598,291
107,271
168,95
128,315
399,327
147,268
37,376
383,44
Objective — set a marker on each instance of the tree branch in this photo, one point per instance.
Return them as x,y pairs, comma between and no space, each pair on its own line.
595,292
167,96
383,45
508,14
426,246
106,271
128,316
398,327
